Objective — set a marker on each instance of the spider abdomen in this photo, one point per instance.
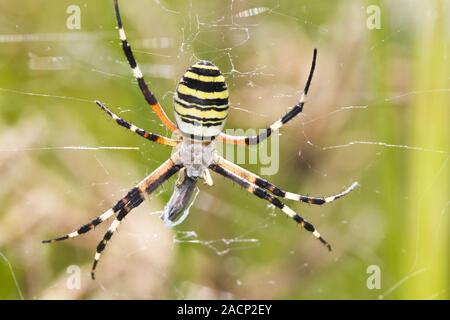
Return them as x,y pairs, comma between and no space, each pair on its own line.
201,102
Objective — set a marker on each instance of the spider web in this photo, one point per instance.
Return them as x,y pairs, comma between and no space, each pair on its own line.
264,51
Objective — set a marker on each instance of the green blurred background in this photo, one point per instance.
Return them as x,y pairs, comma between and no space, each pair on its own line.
378,113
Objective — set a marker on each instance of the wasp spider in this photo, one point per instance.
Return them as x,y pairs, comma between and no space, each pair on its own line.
201,108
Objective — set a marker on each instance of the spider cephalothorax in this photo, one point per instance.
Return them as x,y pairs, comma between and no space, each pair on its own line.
196,157
201,107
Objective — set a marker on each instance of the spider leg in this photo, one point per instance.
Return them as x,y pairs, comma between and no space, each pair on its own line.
138,199
260,182
148,95
253,140
146,186
87,227
259,192
95,222
147,135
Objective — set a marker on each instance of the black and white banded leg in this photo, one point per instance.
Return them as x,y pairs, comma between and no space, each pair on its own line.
133,203
259,192
147,135
133,199
253,140
146,186
148,95
98,220
260,182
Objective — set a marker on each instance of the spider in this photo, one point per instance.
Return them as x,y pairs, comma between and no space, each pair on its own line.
201,107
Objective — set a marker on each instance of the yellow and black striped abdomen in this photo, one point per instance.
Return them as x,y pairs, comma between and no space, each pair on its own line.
201,101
